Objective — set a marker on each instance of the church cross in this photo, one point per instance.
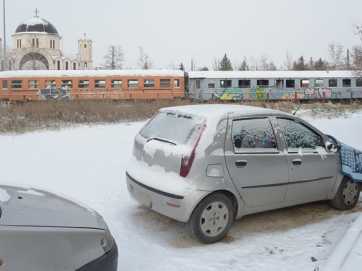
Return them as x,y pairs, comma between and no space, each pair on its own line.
36,12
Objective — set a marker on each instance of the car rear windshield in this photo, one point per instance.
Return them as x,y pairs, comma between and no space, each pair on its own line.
175,127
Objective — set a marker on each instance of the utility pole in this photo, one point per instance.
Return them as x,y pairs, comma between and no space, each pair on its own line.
112,64
4,53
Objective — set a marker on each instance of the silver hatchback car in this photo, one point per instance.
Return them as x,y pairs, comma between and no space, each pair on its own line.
208,164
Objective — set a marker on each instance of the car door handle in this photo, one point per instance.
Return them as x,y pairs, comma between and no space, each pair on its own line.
241,163
297,162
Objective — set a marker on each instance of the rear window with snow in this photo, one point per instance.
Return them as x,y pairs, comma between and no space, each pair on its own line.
175,127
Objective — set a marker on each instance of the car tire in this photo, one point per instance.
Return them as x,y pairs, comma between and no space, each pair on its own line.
211,219
347,194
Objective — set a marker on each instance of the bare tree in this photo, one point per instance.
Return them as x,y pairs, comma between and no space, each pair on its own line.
215,63
356,55
356,28
172,66
144,61
114,58
288,64
34,59
254,64
8,54
335,51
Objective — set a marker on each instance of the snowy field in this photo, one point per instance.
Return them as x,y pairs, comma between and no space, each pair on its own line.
88,163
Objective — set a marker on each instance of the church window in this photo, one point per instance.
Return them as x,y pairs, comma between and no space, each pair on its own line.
74,66
83,83
85,50
58,64
85,64
37,42
10,68
33,42
53,44
33,84
66,65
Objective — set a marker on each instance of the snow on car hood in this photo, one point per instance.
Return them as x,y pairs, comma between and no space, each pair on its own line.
25,206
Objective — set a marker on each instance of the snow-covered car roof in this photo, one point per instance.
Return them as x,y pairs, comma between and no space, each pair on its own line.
219,110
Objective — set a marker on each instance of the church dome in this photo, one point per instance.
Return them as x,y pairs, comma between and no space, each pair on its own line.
36,24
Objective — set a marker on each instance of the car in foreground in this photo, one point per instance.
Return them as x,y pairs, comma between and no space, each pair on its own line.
208,164
41,230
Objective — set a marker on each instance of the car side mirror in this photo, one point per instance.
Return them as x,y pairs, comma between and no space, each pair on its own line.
332,147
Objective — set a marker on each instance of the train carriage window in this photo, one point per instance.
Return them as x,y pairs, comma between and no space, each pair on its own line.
16,83
100,83
279,83
332,82
262,83
198,83
116,83
83,83
289,83
176,83
149,83
304,83
318,83
225,83
67,84
5,84
244,83
211,84
133,83
346,82
33,84
165,83
49,83
359,82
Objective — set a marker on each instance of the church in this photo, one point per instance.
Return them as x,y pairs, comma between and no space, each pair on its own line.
36,46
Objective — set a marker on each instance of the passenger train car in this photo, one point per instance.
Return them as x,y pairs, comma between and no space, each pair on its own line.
274,85
170,84
91,84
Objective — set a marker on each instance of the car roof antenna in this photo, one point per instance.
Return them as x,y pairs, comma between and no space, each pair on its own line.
297,108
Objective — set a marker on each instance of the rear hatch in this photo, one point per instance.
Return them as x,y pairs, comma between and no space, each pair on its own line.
168,141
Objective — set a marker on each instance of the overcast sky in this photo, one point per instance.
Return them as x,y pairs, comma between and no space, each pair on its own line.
177,31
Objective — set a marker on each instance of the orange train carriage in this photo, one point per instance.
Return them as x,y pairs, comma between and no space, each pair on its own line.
92,84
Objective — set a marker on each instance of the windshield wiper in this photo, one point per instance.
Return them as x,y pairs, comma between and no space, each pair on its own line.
163,140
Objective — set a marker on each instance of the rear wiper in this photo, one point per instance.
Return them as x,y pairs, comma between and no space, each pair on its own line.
163,140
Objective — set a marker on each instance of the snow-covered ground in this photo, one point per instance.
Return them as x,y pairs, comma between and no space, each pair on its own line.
88,163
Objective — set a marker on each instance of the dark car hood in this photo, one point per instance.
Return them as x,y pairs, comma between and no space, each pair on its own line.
25,206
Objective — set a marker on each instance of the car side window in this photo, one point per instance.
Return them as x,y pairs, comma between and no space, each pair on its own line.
253,134
297,135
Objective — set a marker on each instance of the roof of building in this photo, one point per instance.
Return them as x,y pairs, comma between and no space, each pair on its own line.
36,24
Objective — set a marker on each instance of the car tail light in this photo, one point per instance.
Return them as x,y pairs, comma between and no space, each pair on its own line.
187,161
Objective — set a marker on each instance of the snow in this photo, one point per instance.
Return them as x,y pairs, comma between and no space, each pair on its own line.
90,73
89,164
4,196
35,21
269,74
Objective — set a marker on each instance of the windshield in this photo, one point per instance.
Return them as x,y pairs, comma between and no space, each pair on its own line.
175,127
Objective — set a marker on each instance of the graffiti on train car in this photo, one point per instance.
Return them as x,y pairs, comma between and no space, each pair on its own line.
257,93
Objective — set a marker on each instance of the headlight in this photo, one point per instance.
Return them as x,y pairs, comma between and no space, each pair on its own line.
107,241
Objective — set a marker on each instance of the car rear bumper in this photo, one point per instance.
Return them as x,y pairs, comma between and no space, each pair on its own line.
107,262
174,206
